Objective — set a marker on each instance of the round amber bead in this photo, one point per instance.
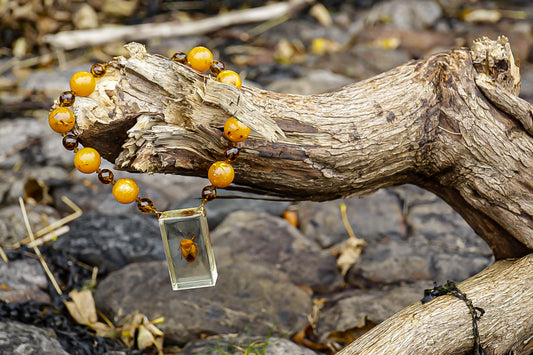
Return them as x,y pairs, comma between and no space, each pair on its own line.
200,58
98,70
235,130
145,205
82,83
67,98
70,141
209,193
87,160
216,67
61,120
125,190
180,57
230,77
231,153
106,176
221,174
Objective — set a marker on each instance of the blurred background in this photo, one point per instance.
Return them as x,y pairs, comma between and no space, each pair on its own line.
280,286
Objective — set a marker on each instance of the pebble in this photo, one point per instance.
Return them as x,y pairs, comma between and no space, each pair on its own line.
240,343
22,281
112,241
22,339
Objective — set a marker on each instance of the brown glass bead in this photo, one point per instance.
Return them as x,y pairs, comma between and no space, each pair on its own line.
98,70
180,57
70,141
145,205
67,98
106,176
232,153
216,67
209,193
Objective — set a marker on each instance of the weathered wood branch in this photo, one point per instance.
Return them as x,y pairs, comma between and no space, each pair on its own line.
444,325
451,123
99,36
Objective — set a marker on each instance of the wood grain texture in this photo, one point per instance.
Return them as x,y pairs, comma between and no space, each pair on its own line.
451,123
444,325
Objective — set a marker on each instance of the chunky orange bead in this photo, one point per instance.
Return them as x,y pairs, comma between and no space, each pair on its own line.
221,174
230,77
200,58
125,190
61,120
87,160
82,83
235,130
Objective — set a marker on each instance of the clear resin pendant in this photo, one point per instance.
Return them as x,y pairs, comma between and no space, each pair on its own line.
190,257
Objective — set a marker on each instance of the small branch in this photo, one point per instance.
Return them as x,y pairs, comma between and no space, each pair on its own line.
443,325
82,38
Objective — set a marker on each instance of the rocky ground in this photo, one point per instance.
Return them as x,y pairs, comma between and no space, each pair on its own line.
274,277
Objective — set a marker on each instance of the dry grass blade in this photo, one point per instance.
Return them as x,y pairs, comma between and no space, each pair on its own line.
53,226
352,249
36,249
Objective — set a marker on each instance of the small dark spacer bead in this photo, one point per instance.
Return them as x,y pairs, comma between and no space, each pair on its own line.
232,153
67,98
145,205
209,193
70,141
98,70
216,67
180,57
106,176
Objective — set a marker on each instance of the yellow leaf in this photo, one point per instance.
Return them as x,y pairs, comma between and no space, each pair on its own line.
82,307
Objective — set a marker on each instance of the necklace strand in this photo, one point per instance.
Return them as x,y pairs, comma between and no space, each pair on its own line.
125,190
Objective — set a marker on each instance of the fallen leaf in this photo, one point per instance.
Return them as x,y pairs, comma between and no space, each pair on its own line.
350,253
82,307
321,14
291,217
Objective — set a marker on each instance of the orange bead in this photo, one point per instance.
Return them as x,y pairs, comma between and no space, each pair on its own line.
87,160
221,174
82,83
235,130
200,58
61,120
230,77
125,190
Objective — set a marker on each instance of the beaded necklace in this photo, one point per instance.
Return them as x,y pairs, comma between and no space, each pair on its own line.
184,232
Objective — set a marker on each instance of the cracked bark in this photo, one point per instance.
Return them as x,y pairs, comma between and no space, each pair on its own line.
451,123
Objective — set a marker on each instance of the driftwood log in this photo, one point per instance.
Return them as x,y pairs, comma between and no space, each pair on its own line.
452,124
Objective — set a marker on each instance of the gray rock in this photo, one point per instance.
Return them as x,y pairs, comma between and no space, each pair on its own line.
272,241
243,343
12,227
248,297
366,307
390,262
406,14
372,218
25,339
24,280
111,242
439,245
16,135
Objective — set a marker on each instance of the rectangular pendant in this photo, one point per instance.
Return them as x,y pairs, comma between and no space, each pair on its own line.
190,257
